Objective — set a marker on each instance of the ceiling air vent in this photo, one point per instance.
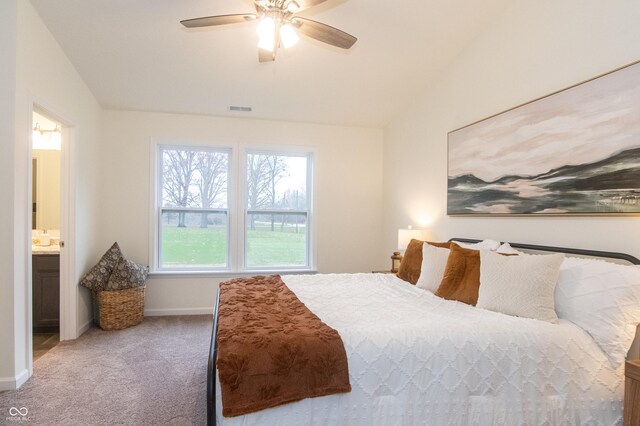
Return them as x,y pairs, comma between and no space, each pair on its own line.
240,108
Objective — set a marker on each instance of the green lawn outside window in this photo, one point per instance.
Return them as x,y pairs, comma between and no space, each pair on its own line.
192,246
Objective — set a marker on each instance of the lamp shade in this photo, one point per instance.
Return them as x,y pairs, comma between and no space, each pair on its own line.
406,235
288,36
266,33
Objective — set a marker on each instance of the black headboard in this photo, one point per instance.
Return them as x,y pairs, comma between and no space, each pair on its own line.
580,252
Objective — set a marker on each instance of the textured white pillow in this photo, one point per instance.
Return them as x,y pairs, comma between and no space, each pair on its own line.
434,262
505,248
603,299
482,245
519,285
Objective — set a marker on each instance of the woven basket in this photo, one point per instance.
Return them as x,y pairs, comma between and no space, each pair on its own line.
118,309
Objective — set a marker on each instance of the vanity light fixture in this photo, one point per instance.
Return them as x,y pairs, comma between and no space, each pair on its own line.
49,139
37,128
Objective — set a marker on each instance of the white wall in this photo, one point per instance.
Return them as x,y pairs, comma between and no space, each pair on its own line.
348,191
47,77
535,48
8,325
42,74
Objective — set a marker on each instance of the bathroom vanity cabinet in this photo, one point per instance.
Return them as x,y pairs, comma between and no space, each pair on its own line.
46,293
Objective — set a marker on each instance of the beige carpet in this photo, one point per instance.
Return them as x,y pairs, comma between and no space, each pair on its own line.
151,374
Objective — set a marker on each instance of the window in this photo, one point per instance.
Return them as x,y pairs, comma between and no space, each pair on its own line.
194,209
200,228
278,208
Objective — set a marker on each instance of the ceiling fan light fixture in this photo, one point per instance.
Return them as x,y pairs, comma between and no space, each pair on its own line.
266,33
288,36
266,27
293,6
267,43
279,26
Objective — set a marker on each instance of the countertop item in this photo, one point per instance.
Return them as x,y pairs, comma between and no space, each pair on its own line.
52,249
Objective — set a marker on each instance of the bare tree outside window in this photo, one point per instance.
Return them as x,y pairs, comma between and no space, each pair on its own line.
178,167
263,174
194,211
211,180
277,209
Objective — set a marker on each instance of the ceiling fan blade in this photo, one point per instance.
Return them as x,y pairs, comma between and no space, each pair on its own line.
266,56
218,20
306,4
324,33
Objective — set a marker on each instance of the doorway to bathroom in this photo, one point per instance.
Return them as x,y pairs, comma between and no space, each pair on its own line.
46,240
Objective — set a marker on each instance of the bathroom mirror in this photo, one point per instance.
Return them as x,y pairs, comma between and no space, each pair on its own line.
46,173
46,188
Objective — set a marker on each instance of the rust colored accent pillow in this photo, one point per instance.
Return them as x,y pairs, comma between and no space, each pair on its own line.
461,279
411,263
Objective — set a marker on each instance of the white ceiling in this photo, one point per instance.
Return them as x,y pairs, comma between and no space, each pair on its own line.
135,55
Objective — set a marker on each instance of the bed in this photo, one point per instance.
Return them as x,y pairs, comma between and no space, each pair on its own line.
415,358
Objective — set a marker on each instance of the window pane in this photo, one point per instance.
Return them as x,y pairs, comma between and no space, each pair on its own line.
276,240
276,182
194,178
193,239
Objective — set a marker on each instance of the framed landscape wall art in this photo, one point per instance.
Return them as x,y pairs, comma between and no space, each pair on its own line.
576,151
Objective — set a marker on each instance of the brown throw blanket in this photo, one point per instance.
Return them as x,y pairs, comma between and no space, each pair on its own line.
272,349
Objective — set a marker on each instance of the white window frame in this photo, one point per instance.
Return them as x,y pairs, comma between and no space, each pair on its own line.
309,228
158,209
236,209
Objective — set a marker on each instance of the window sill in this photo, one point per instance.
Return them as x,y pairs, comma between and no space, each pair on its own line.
228,274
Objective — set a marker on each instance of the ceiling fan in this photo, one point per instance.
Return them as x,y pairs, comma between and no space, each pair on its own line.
279,25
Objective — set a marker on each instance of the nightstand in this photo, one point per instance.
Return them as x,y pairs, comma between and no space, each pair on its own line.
632,393
382,272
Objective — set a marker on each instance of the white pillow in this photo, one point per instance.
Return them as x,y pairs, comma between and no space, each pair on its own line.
602,298
505,248
434,262
482,245
519,285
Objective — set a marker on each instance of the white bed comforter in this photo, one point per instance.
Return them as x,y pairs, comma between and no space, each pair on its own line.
416,359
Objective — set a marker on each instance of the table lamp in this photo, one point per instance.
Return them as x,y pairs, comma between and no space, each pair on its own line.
404,238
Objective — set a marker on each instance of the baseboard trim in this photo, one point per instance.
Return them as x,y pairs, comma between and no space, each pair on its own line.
84,327
13,383
172,312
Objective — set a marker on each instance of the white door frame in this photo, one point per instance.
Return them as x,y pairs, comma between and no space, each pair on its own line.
68,286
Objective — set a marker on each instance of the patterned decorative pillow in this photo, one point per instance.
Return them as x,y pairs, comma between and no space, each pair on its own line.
98,276
127,274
